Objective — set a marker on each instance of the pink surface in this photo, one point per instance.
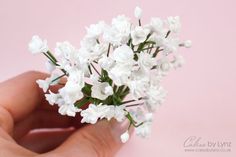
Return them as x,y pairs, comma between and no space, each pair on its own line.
201,100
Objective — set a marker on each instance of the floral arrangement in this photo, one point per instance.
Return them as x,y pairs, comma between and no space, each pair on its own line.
116,72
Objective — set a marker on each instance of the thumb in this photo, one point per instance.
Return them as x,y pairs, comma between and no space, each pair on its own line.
99,140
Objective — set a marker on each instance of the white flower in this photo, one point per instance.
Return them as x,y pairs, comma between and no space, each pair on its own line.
178,61
120,73
156,25
88,43
113,111
139,35
123,54
170,45
101,90
94,112
66,50
119,32
138,12
68,109
111,35
124,137
143,130
94,78
148,117
44,84
71,92
146,61
164,65
37,45
106,62
174,23
122,24
137,114
155,97
76,76
187,43
119,113
138,83
50,66
90,115
95,30
137,87
52,98
159,39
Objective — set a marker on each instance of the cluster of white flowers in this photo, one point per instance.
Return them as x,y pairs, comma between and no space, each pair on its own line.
116,72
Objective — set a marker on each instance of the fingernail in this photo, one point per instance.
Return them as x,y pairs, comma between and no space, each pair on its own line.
118,128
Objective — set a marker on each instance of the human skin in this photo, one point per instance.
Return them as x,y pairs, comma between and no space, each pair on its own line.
23,108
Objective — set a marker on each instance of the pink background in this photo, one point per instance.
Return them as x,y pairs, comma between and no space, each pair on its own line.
201,100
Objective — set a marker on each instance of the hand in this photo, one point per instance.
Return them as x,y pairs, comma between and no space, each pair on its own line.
24,109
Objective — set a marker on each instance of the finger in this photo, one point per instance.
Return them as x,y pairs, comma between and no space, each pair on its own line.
44,119
101,139
42,141
18,97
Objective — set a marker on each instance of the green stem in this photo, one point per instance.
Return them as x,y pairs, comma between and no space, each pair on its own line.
82,102
139,22
108,51
129,101
58,78
133,105
95,69
90,70
49,55
167,34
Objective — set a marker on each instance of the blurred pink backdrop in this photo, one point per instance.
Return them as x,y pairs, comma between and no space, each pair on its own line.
201,100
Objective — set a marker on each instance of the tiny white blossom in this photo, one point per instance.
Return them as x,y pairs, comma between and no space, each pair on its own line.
187,43
37,45
66,50
123,54
71,92
52,98
119,31
119,113
174,23
156,25
149,117
155,97
178,61
101,90
143,130
50,66
120,73
94,78
164,64
106,62
68,109
95,30
44,84
146,61
138,12
170,45
90,115
139,35
124,137
138,83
